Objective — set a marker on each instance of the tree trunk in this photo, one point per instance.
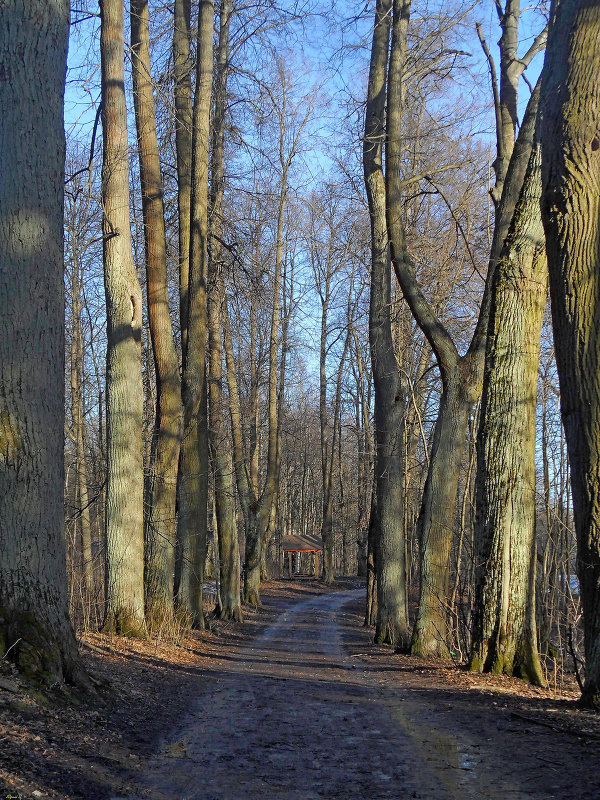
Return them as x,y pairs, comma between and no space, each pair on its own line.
229,557
571,215
35,631
373,535
504,631
245,487
78,432
124,392
182,67
160,521
390,565
193,480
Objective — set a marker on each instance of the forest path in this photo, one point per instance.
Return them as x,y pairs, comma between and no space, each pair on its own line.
297,714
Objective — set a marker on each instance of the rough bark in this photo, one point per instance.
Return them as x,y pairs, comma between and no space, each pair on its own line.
124,523
571,215
504,633
229,605
35,631
392,603
162,484
193,475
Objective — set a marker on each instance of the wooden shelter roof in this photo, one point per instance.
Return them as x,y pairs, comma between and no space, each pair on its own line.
303,544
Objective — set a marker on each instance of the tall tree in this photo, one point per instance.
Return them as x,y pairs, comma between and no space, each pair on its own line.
288,140
35,631
504,629
229,605
461,375
124,392
193,473
571,215
166,438
392,624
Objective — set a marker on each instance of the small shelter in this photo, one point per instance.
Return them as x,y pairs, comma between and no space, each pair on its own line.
301,544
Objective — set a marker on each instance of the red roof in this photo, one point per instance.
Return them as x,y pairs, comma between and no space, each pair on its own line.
308,544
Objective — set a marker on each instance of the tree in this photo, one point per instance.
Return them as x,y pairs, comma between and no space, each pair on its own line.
461,375
571,215
193,472
160,516
124,392
224,496
392,624
504,629
35,631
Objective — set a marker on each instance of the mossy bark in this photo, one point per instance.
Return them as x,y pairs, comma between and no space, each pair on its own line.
504,633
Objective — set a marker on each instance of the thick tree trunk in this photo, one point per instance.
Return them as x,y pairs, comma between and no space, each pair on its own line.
571,214
229,558
35,631
124,392
162,484
392,603
504,633
193,480
436,520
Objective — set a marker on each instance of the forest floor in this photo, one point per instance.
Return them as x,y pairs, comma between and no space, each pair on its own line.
294,703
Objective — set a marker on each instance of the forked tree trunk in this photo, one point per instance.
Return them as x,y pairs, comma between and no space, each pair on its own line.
504,631
193,474
35,631
229,605
461,375
160,515
571,214
124,391
390,565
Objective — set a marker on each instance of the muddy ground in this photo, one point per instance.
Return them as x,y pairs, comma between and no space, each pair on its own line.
295,703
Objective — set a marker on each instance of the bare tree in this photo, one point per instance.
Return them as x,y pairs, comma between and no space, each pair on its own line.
193,473
166,438
392,624
124,393
461,375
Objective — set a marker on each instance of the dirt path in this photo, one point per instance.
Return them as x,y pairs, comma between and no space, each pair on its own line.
299,714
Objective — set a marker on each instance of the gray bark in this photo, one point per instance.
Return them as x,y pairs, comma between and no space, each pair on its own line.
34,625
392,625
193,474
160,517
124,523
